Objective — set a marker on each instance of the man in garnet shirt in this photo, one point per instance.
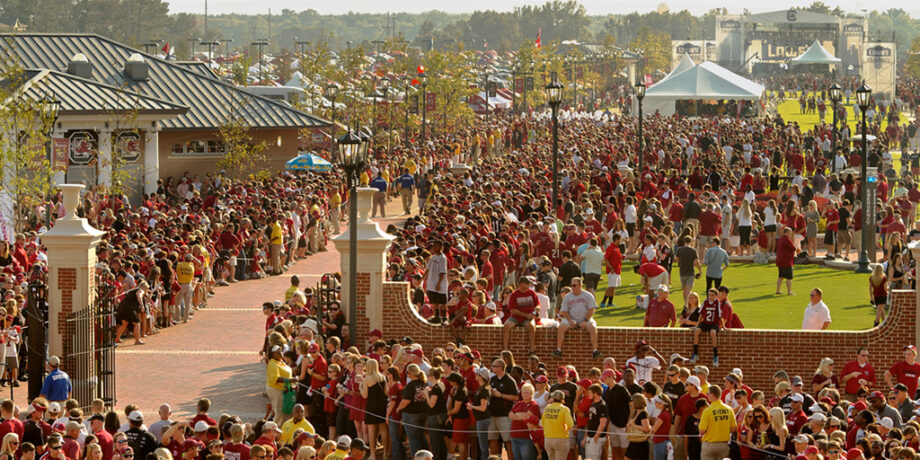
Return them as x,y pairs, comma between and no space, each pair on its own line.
660,311
653,275
270,434
236,449
613,261
684,408
97,423
10,423
857,373
486,272
785,256
710,223
521,304
204,405
906,371
318,375
797,418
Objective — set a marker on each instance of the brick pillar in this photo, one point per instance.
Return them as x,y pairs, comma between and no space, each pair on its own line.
915,251
372,246
71,247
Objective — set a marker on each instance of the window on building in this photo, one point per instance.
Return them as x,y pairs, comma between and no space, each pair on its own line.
209,147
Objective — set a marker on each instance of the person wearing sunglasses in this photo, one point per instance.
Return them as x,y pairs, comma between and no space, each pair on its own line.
9,446
54,447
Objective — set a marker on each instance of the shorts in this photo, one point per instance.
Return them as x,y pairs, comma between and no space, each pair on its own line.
687,281
769,228
705,240
613,280
843,236
12,362
514,322
707,327
883,300
500,427
571,323
745,234
617,436
785,272
591,280
631,229
436,298
656,281
461,430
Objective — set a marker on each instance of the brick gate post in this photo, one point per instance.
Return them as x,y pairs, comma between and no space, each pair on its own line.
915,251
372,246
72,259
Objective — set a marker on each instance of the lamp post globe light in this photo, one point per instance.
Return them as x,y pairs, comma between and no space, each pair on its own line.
834,92
554,98
640,94
863,93
352,157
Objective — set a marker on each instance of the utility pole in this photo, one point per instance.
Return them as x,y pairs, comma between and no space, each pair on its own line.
269,25
205,18
226,42
192,42
210,45
261,43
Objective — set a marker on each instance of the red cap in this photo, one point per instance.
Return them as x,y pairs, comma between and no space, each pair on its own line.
561,371
858,406
584,383
375,333
417,352
854,454
876,394
572,374
192,442
608,374
477,354
910,347
540,379
811,450
313,348
641,343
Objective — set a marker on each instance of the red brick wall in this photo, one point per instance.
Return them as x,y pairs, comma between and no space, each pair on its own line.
66,283
758,352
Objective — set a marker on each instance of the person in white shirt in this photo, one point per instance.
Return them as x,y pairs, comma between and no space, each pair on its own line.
817,316
645,365
156,428
577,311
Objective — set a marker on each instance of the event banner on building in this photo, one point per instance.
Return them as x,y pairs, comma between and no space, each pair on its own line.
430,102
60,146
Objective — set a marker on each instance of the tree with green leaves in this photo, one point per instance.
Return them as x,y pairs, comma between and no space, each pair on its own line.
25,126
912,65
241,153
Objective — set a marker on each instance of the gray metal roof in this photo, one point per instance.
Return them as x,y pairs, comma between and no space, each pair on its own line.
197,66
211,102
79,96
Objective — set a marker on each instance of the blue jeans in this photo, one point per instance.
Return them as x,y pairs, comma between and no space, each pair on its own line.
436,436
661,450
414,424
579,435
482,435
396,446
523,449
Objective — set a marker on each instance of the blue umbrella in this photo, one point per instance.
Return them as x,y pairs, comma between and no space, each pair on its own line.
308,162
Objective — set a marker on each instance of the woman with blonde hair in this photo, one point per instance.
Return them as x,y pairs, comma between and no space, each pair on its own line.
878,292
824,376
9,447
373,390
812,216
777,434
745,222
327,448
638,429
162,453
306,453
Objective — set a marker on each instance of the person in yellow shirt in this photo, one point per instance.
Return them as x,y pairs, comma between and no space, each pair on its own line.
341,448
295,286
556,422
411,166
335,204
277,372
277,240
297,421
716,426
185,275
365,178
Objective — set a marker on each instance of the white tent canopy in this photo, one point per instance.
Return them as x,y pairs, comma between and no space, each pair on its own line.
704,81
686,63
815,54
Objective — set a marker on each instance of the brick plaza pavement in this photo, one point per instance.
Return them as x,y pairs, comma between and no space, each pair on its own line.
215,355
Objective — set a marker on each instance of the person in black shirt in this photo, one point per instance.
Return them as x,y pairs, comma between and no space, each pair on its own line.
479,404
504,395
673,388
617,399
142,441
437,412
568,271
629,381
567,387
597,423
414,407
458,413
692,431
843,229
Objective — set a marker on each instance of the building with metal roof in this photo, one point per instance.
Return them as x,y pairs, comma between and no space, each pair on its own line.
176,109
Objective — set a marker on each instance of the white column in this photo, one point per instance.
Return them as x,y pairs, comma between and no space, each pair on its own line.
58,177
151,159
105,157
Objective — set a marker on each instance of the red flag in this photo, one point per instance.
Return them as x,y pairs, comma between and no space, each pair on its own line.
168,49
539,41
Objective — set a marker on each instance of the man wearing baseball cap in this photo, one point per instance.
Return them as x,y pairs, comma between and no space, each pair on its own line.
660,312
140,439
57,386
796,418
684,408
906,372
905,405
880,408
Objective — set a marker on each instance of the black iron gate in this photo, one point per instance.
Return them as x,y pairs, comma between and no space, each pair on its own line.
35,351
93,348
327,291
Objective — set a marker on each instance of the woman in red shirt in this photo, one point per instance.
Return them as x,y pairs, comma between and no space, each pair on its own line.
522,411
878,292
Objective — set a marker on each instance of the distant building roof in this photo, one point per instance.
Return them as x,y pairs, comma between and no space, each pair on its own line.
211,102
792,16
197,66
79,96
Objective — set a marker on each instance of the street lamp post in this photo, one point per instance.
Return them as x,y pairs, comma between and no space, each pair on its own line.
554,98
863,93
261,43
406,101
226,42
834,92
332,90
53,109
640,94
352,153
424,106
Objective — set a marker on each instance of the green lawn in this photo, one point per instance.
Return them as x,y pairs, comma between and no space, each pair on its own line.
790,111
753,287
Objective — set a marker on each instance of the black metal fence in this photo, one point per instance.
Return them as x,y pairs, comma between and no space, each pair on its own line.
35,351
93,348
